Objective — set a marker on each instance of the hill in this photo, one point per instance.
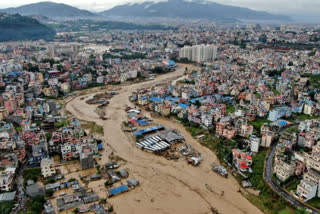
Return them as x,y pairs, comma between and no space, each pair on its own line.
49,9
17,27
190,9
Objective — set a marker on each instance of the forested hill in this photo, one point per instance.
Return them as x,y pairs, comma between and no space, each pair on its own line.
16,27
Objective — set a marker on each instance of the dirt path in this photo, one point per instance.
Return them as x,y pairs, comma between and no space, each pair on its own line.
167,187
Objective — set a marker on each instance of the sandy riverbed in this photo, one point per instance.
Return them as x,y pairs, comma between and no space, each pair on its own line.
171,187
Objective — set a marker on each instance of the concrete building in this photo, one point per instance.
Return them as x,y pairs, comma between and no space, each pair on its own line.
307,190
266,139
284,170
47,167
86,160
199,53
254,143
6,179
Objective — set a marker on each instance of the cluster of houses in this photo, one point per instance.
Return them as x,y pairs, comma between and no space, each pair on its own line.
297,155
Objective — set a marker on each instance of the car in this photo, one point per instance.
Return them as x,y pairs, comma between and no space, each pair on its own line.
112,165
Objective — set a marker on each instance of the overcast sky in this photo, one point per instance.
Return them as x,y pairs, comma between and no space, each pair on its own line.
274,6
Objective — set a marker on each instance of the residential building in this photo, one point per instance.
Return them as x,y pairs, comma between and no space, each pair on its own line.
47,167
284,170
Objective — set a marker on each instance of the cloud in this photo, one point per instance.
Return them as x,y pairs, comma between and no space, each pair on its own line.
273,6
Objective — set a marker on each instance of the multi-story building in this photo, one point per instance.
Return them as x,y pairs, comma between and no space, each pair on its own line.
241,160
199,53
6,179
266,139
66,151
283,169
47,167
206,120
254,143
306,190
279,112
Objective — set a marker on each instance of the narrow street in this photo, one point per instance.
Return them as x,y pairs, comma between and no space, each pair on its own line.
22,199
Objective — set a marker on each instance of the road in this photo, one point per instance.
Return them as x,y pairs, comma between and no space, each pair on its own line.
277,188
21,201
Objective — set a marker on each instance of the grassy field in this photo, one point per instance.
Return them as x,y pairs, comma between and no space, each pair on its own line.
258,122
303,117
230,109
6,207
315,202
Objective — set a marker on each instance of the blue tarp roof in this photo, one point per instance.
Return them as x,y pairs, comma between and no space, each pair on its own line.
196,99
119,189
282,122
142,122
14,73
183,105
144,131
174,99
156,99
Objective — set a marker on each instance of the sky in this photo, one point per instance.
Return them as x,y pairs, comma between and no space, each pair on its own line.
285,7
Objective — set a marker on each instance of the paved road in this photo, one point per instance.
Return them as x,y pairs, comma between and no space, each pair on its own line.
277,188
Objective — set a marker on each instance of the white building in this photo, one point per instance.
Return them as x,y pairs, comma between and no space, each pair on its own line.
66,151
6,179
284,170
206,120
199,53
307,190
254,143
47,167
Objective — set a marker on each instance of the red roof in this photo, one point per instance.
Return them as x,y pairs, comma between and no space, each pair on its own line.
86,150
243,166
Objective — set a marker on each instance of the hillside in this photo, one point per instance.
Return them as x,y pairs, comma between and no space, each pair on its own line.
190,9
17,27
49,9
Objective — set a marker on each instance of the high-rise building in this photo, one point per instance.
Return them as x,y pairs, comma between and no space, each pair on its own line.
199,53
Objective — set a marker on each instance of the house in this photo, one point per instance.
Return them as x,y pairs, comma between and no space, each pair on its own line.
99,209
229,132
7,179
66,151
39,152
279,112
246,130
306,190
70,201
206,120
47,167
308,109
33,189
241,160
7,196
284,170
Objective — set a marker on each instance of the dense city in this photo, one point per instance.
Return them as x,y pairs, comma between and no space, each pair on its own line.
224,116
